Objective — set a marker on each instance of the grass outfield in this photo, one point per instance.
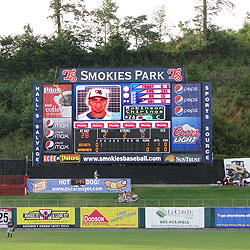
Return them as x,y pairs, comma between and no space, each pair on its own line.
148,197
91,240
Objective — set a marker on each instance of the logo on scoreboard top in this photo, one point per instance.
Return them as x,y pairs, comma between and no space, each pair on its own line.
122,75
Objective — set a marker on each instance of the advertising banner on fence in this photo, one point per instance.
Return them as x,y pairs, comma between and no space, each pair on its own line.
109,217
174,217
237,168
232,217
103,185
5,216
46,217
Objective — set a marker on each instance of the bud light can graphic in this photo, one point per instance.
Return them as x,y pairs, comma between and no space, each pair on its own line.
178,89
178,110
49,145
186,134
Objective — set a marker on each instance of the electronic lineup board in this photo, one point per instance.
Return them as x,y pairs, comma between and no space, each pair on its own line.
119,115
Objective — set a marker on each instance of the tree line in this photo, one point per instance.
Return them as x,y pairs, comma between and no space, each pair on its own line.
222,58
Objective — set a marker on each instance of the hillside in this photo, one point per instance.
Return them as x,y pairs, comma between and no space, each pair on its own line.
224,62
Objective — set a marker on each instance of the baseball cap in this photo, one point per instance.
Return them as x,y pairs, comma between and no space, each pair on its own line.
98,93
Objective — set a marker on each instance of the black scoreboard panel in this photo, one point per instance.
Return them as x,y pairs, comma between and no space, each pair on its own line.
133,140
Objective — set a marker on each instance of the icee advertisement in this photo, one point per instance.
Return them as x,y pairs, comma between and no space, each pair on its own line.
174,217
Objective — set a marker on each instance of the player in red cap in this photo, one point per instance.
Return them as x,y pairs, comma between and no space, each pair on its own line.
97,101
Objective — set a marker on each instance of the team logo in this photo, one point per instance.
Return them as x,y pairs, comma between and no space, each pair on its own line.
178,89
49,145
178,100
178,110
49,123
185,134
49,134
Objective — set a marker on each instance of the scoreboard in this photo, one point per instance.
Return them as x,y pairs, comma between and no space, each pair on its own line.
122,115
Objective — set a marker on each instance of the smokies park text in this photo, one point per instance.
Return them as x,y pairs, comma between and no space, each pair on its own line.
122,115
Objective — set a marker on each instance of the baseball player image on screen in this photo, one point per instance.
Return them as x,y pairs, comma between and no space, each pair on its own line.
97,102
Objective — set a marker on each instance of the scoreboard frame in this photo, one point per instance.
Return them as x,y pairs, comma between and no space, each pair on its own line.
147,102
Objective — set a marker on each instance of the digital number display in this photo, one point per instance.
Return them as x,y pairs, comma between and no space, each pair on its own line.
122,140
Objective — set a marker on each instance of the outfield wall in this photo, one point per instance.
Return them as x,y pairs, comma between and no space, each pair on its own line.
126,217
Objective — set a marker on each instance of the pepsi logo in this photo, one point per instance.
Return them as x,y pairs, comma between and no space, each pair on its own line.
49,123
178,89
49,134
178,99
49,145
178,110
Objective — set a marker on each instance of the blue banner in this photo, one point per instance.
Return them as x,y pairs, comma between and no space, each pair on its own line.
186,134
37,124
207,121
78,185
232,217
121,75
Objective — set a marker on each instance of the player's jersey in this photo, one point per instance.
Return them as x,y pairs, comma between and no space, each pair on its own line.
10,224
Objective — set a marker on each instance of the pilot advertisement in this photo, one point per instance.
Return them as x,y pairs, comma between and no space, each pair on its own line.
232,217
78,185
122,115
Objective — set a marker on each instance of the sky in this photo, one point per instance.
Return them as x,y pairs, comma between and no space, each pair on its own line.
15,14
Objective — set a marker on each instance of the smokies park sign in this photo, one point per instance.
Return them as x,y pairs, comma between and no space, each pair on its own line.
149,115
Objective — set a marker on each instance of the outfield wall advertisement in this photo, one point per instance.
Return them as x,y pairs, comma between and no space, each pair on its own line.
109,217
5,216
46,217
232,217
103,185
174,217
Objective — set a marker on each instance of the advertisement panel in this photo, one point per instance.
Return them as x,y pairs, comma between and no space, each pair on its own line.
237,168
111,75
46,217
57,101
232,217
37,123
103,185
5,216
207,122
186,134
174,217
109,217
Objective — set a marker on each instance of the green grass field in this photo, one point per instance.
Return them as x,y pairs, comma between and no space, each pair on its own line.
119,240
200,196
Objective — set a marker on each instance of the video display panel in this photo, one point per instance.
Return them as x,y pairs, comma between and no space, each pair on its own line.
131,120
